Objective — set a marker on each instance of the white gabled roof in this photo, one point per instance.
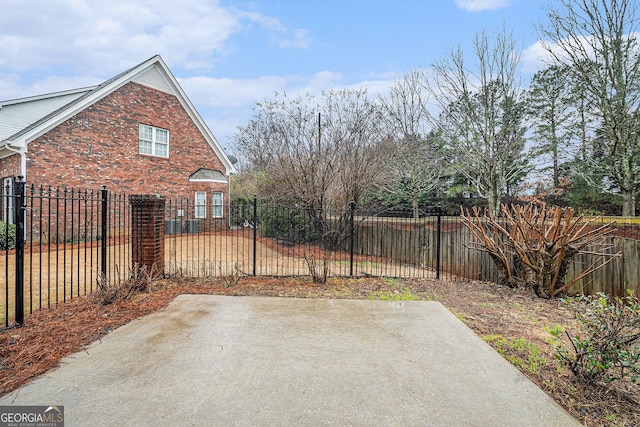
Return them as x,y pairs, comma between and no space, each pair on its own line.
23,120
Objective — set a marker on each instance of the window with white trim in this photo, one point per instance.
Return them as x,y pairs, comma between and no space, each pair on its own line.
216,202
201,204
153,141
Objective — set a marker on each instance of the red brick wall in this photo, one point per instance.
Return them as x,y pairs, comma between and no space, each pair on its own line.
100,146
10,166
147,233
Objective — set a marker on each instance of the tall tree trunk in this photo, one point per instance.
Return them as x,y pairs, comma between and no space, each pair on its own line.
629,203
556,166
416,211
494,204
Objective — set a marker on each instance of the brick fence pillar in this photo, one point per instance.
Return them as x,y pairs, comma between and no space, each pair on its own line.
147,232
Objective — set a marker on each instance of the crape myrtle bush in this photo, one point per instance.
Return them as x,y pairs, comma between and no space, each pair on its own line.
608,344
7,236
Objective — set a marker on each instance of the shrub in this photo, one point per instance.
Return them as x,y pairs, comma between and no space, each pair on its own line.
291,225
139,280
541,242
318,268
7,236
608,346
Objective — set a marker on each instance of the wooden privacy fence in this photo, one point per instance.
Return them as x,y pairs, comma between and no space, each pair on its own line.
615,278
415,241
412,242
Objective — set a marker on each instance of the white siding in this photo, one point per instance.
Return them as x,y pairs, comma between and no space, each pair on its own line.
17,115
153,78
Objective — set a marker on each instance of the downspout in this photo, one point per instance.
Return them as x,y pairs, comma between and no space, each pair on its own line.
23,160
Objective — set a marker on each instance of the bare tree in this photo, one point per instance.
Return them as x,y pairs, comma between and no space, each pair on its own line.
414,165
482,115
405,106
308,149
354,124
283,144
414,170
596,40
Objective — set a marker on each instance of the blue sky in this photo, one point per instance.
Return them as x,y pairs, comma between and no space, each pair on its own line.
230,54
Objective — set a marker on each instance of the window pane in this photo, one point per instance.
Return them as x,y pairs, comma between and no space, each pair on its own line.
201,202
162,136
161,150
216,201
146,132
145,147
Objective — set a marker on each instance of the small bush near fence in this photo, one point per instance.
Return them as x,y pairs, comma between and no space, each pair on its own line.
608,346
286,224
7,236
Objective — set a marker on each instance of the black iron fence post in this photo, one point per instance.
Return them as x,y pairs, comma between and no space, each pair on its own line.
352,208
255,235
438,240
104,229
20,229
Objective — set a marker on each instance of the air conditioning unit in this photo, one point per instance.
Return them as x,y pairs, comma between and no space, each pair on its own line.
193,226
173,226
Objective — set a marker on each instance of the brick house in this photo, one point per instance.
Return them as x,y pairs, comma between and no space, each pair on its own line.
136,133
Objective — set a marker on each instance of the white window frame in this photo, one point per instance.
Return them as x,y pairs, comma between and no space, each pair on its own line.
217,206
153,141
200,205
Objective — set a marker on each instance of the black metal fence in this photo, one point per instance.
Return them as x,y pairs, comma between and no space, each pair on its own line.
57,244
67,240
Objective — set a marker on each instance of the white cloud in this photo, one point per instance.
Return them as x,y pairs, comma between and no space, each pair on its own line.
12,86
325,79
110,36
226,92
534,58
373,87
480,5
300,40
538,55
227,103
267,22
236,93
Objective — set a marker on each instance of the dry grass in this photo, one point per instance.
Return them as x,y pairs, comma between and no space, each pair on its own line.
514,321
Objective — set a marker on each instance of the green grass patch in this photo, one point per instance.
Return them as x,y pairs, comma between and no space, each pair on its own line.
396,295
519,352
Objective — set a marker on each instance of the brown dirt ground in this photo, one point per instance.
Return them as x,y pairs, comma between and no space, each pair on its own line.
502,316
